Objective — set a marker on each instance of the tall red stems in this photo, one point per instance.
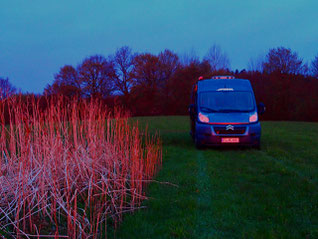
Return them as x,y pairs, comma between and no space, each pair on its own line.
69,167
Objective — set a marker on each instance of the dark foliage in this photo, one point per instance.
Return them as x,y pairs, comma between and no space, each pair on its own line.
286,96
96,75
6,88
66,82
123,63
314,67
148,84
283,60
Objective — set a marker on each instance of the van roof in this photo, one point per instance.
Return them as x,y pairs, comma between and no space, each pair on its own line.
215,84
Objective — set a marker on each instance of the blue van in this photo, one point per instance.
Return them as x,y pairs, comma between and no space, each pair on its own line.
223,111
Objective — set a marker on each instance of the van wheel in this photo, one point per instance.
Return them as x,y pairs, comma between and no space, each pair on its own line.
257,146
192,135
197,143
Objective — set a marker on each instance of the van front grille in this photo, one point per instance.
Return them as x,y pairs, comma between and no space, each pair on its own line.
229,130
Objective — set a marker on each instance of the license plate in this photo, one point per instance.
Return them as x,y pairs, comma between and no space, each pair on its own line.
230,140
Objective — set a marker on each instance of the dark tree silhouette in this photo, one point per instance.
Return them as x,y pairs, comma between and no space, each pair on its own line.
168,64
97,75
145,90
189,58
152,71
161,84
146,71
151,75
68,76
283,60
66,82
314,67
180,85
6,88
217,58
256,64
123,63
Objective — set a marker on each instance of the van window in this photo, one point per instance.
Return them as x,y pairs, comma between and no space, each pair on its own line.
226,101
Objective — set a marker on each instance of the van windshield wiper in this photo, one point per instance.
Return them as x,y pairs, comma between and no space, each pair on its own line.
232,110
207,109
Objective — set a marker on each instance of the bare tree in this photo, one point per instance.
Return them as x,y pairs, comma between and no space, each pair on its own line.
147,82
123,63
146,71
68,76
314,67
168,64
97,75
190,58
152,72
217,58
66,82
305,69
6,88
283,60
256,64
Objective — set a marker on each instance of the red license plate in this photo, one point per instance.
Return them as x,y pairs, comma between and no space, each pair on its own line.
230,140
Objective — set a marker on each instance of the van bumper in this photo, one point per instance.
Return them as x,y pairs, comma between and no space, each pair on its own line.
212,134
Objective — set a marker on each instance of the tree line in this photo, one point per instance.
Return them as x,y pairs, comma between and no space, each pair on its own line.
160,84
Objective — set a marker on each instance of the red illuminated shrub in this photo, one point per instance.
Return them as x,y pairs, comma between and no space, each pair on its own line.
70,168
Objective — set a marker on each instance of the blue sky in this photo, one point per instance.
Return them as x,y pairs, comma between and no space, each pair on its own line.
37,37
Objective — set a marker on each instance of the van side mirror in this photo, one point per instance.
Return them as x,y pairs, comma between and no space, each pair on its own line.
261,108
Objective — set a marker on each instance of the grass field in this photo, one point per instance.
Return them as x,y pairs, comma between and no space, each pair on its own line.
231,193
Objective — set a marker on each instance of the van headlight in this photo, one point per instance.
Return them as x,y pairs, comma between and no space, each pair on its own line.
203,118
253,118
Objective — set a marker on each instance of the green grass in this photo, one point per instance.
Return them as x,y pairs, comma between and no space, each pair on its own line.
231,193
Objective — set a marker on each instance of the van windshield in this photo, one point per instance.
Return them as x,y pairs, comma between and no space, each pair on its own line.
226,101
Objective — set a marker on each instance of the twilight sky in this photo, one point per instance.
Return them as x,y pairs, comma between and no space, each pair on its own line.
37,37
